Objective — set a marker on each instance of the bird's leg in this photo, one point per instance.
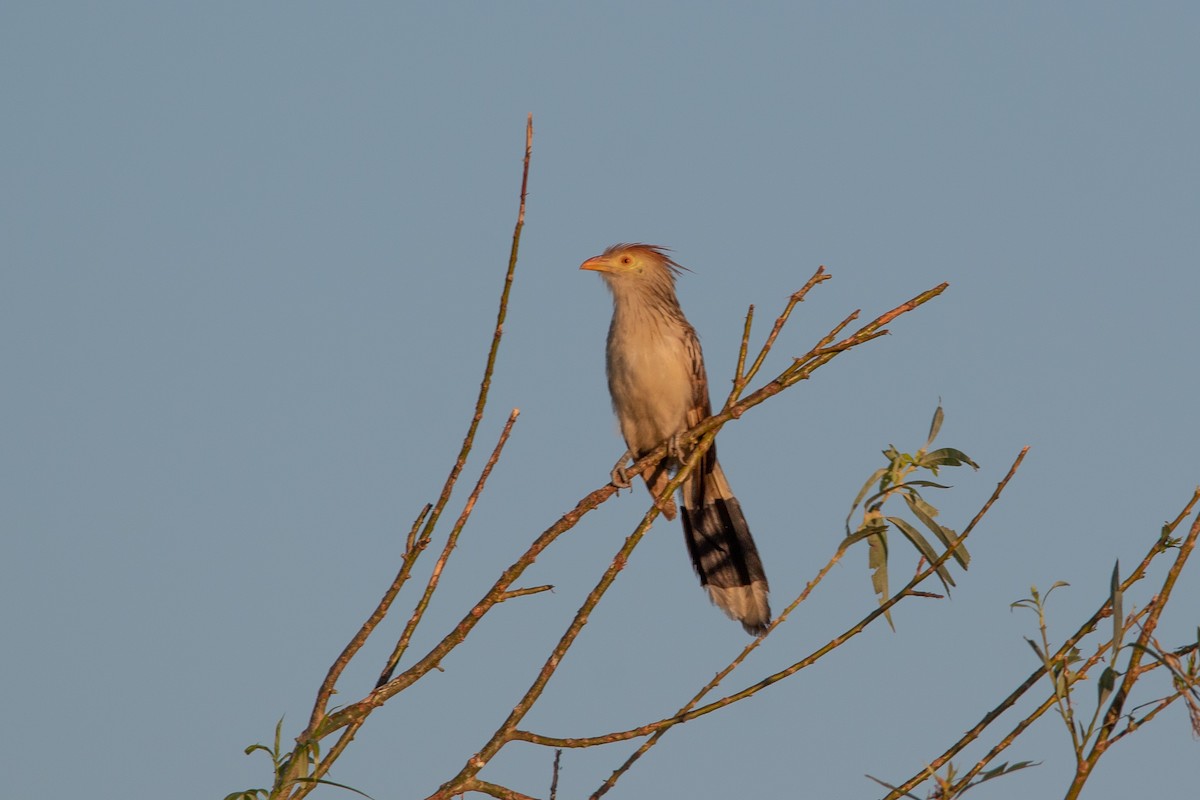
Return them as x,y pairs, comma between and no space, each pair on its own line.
620,478
673,448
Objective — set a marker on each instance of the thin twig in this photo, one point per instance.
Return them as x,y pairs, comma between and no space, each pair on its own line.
356,643
451,541
493,789
525,592
1134,725
303,789
743,347
741,381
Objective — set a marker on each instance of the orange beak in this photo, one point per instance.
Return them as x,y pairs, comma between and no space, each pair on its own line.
596,264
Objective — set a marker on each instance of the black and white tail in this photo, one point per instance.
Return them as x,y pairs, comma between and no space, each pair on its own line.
722,549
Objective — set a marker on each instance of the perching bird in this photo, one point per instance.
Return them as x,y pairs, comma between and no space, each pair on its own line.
659,390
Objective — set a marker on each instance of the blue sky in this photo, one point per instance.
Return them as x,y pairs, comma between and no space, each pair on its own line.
252,256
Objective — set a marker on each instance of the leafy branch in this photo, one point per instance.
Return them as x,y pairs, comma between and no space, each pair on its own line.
892,480
1066,667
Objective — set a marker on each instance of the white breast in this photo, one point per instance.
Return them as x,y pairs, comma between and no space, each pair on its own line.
650,378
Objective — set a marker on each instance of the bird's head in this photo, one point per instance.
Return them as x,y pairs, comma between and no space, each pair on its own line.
644,261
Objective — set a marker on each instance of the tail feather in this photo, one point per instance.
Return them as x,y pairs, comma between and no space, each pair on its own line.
656,481
722,549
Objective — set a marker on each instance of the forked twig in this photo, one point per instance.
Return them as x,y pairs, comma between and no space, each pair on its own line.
451,542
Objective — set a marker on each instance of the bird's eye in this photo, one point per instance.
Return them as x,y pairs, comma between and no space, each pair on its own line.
626,260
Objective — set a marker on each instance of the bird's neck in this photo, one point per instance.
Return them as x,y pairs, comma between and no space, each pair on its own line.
648,308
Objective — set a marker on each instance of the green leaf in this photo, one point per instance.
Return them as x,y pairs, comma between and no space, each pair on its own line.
1060,684
915,502
1036,649
1115,595
1108,680
891,788
1003,769
934,426
907,484
347,788
914,536
946,457
866,530
1054,586
871,481
946,536
877,554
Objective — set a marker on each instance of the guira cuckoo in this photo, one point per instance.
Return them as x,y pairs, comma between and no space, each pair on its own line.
659,389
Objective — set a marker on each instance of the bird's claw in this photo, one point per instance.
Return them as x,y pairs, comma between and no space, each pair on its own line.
619,475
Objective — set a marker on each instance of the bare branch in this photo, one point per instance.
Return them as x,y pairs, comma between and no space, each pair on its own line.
451,541
413,550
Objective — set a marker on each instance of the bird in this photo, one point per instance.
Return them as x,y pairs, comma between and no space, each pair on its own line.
659,389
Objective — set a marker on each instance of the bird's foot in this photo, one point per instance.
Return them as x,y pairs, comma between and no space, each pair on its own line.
620,477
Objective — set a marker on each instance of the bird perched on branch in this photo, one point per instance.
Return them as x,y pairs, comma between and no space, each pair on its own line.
659,390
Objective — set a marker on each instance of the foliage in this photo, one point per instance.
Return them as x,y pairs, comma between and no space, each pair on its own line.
894,480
